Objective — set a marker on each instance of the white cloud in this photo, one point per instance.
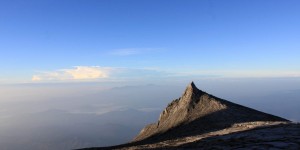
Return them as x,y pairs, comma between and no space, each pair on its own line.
76,73
87,73
36,78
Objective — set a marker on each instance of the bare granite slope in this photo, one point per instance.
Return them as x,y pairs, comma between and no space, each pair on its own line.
197,112
198,118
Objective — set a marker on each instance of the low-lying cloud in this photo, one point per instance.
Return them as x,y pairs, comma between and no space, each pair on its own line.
76,73
88,73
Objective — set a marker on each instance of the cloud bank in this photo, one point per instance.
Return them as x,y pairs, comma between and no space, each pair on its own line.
91,73
76,73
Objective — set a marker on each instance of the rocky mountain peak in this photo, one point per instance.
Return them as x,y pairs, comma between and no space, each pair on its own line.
197,112
198,120
191,94
191,87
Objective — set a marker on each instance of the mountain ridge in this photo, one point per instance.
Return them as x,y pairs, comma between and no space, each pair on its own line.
197,107
198,115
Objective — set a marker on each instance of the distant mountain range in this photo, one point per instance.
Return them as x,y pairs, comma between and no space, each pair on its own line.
199,120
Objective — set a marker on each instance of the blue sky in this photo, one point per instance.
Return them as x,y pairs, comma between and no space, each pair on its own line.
68,40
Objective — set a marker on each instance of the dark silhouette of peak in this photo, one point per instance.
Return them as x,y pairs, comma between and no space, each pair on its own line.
196,112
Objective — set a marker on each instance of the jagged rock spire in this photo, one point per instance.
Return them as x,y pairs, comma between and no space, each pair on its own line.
191,93
191,87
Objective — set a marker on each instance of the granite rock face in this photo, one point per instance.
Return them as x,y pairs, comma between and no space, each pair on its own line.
198,120
197,112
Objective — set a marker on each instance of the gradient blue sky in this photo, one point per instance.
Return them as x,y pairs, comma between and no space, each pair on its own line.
91,40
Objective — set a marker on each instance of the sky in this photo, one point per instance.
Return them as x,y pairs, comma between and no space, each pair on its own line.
117,40
65,63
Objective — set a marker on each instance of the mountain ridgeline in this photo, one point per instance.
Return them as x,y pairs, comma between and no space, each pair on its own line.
199,120
197,112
